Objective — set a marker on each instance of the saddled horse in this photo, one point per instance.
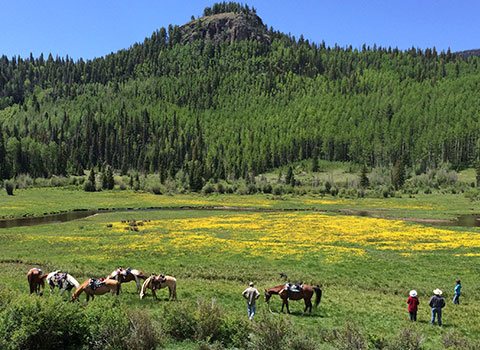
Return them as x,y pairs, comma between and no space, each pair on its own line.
64,281
127,275
155,282
305,292
91,289
36,280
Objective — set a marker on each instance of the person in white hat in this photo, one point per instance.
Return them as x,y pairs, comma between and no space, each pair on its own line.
251,294
437,303
413,303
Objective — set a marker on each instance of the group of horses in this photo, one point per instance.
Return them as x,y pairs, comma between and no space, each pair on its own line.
91,287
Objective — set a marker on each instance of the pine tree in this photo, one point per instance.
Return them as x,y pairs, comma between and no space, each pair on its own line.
477,173
290,178
314,165
90,185
398,174
364,182
110,178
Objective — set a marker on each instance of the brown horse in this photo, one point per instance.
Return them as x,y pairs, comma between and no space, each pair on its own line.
127,275
158,282
108,285
36,280
306,293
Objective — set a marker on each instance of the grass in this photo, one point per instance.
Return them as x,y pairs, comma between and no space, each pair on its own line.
42,201
365,265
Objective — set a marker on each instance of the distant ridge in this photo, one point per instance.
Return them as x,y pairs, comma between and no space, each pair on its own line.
468,53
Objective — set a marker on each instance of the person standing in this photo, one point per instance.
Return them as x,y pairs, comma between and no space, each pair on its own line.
437,303
457,292
413,303
251,294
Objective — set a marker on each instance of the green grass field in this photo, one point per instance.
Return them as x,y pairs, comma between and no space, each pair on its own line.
366,266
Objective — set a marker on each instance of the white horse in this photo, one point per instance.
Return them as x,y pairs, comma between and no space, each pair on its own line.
64,281
158,282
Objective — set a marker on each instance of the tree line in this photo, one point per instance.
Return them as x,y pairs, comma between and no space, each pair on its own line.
219,110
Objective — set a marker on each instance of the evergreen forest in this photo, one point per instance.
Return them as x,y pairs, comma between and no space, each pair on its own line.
235,109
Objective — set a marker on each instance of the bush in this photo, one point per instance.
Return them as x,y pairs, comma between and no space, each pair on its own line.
208,188
180,323
350,338
89,186
24,181
156,189
58,181
9,187
278,190
220,188
267,188
209,320
270,334
29,323
143,333
408,339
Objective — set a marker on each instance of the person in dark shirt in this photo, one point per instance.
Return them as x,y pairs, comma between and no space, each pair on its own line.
437,303
413,303
457,292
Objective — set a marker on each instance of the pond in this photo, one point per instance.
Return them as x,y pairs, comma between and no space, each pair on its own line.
468,220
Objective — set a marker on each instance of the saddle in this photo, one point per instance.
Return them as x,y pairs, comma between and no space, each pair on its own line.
294,287
95,283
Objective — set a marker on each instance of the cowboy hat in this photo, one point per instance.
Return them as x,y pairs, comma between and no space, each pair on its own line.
437,292
413,293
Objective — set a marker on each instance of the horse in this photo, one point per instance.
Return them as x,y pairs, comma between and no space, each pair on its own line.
128,275
107,285
305,293
158,282
36,280
64,281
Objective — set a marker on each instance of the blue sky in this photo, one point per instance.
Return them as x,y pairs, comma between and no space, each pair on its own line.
92,28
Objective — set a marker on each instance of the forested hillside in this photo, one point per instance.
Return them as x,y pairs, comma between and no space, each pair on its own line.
234,108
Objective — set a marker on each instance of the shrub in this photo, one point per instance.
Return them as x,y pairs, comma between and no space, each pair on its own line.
408,339
58,181
333,191
208,188
89,186
29,323
220,188
9,187
156,189
278,190
267,188
270,334
209,320
251,188
234,332
143,333
24,181
180,323
328,187
350,338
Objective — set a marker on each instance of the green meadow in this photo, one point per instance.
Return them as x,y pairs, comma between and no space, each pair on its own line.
366,266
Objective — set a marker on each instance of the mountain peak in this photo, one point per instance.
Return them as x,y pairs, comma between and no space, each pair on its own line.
226,27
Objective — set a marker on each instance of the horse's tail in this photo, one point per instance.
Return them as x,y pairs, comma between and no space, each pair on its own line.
145,285
318,295
73,281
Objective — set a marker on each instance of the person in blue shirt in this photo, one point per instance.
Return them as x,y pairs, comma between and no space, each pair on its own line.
457,292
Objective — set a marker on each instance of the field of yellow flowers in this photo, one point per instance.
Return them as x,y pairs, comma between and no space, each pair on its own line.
366,266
